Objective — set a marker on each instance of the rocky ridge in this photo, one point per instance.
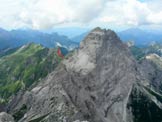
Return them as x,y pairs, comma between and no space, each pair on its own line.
99,82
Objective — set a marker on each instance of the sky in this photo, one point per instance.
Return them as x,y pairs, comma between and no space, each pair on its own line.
48,14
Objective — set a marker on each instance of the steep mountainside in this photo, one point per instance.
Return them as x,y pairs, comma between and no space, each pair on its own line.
25,66
99,82
152,66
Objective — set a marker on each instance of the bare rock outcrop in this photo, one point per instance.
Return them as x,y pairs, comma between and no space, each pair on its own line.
99,82
4,117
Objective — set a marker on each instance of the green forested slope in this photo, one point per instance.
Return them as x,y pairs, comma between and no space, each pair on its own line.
25,66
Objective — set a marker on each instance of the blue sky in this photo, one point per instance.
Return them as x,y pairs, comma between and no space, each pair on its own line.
143,0
48,14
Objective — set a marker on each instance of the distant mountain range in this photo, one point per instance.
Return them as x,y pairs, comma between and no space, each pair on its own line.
80,37
70,32
141,37
16,38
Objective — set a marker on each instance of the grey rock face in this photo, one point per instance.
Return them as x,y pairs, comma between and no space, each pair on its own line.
95,84
48,101
4,117
152,70
103,92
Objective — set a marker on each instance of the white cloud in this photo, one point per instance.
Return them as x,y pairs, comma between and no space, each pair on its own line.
126,12
107,19
43,14
155,18
133,12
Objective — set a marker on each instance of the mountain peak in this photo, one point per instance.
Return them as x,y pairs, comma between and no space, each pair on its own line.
97,36
92,48
97,29
98,76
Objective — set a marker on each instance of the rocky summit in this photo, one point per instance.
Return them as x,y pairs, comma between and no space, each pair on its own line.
99,82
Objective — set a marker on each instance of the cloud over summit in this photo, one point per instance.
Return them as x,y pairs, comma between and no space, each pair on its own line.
44,14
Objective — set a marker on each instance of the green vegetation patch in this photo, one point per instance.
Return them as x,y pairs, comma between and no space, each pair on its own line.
137,52
25,66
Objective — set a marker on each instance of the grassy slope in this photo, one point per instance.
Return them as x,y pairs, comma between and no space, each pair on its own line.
24,67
